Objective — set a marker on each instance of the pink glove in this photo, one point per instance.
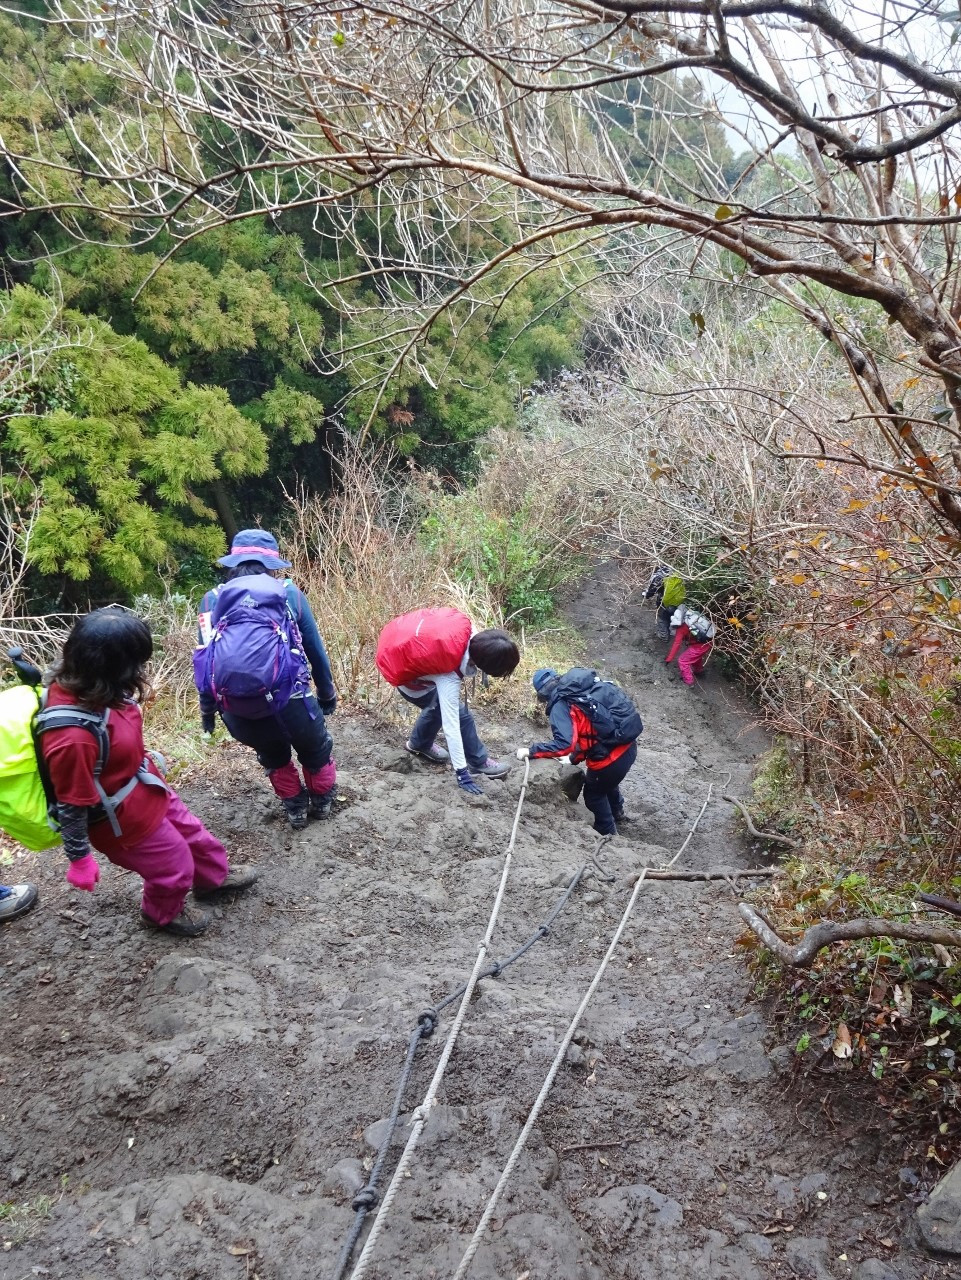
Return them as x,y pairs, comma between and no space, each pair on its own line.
84,873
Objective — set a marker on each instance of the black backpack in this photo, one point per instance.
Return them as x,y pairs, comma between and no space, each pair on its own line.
613,716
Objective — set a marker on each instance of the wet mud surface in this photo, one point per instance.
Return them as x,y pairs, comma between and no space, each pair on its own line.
206,1110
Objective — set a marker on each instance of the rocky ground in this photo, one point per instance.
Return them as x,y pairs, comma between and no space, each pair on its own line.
187,1110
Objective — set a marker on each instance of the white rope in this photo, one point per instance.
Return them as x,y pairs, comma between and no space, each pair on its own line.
541,1098
422,1112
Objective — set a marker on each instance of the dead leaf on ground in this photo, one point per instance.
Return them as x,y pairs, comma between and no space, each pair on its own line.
841,1048
238,1251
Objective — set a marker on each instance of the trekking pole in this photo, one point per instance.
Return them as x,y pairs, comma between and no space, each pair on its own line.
28,673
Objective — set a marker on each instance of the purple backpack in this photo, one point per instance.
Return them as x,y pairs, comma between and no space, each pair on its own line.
254,661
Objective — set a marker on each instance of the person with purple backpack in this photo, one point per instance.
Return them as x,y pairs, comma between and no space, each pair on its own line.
258,648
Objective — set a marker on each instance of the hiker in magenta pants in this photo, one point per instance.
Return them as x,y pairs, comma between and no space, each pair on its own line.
700,630
300,726
125,810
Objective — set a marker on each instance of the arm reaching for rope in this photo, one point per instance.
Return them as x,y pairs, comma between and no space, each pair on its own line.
822,935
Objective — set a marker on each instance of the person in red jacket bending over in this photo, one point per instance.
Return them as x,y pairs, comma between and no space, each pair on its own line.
425,655
125,809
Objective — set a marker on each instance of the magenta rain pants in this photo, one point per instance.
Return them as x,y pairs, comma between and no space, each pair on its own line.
692,660
180,855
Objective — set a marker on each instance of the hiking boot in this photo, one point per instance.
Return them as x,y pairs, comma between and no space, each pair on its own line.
491,768
295,808
433,754
238,879
320,806
189,924
16,900
661,631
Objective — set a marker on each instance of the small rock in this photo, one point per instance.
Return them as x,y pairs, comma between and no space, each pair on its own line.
875,1269
872,1196
17,1175
940,1217
813,1182
576,1056
347,1175
808,1256
397,762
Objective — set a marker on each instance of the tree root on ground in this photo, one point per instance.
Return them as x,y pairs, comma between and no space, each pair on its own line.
716,873
823,934
760,835
943,904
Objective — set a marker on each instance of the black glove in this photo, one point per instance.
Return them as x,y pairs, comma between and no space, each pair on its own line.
329,707
208,721
467,783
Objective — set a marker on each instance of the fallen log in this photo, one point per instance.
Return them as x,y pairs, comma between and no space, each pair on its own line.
760,835
822,935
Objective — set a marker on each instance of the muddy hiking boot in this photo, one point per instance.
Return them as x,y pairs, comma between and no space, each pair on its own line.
189,924
432,754
491,768
321,806
296,808
16,900
238,879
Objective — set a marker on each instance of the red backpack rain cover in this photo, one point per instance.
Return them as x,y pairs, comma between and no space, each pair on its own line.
427,642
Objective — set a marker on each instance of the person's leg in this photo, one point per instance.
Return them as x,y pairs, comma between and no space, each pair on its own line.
679,637
691,661
616,773
426,727
598,802
271,741
304,722
164,861
208,854
478,761
700,660
662,622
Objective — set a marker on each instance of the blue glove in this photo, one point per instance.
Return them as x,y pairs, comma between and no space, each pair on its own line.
467,783
328,708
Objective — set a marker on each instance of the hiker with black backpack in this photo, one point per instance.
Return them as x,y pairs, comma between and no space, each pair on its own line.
594,723
258,646
667,591
108,793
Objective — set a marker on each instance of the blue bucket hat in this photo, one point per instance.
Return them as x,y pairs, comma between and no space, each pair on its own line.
541,678
254,544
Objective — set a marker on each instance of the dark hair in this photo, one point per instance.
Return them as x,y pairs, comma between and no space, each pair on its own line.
104,658
247,567
494,651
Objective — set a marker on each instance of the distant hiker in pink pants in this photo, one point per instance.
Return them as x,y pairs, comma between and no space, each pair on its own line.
700,630
109,793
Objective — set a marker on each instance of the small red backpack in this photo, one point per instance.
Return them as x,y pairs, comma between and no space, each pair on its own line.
427,642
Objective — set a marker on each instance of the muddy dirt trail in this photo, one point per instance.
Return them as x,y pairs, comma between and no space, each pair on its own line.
206,1110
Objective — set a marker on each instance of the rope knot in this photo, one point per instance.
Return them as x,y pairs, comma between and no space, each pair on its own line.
365,1198
428,1023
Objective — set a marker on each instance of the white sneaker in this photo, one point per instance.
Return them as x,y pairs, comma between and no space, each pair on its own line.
16,900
